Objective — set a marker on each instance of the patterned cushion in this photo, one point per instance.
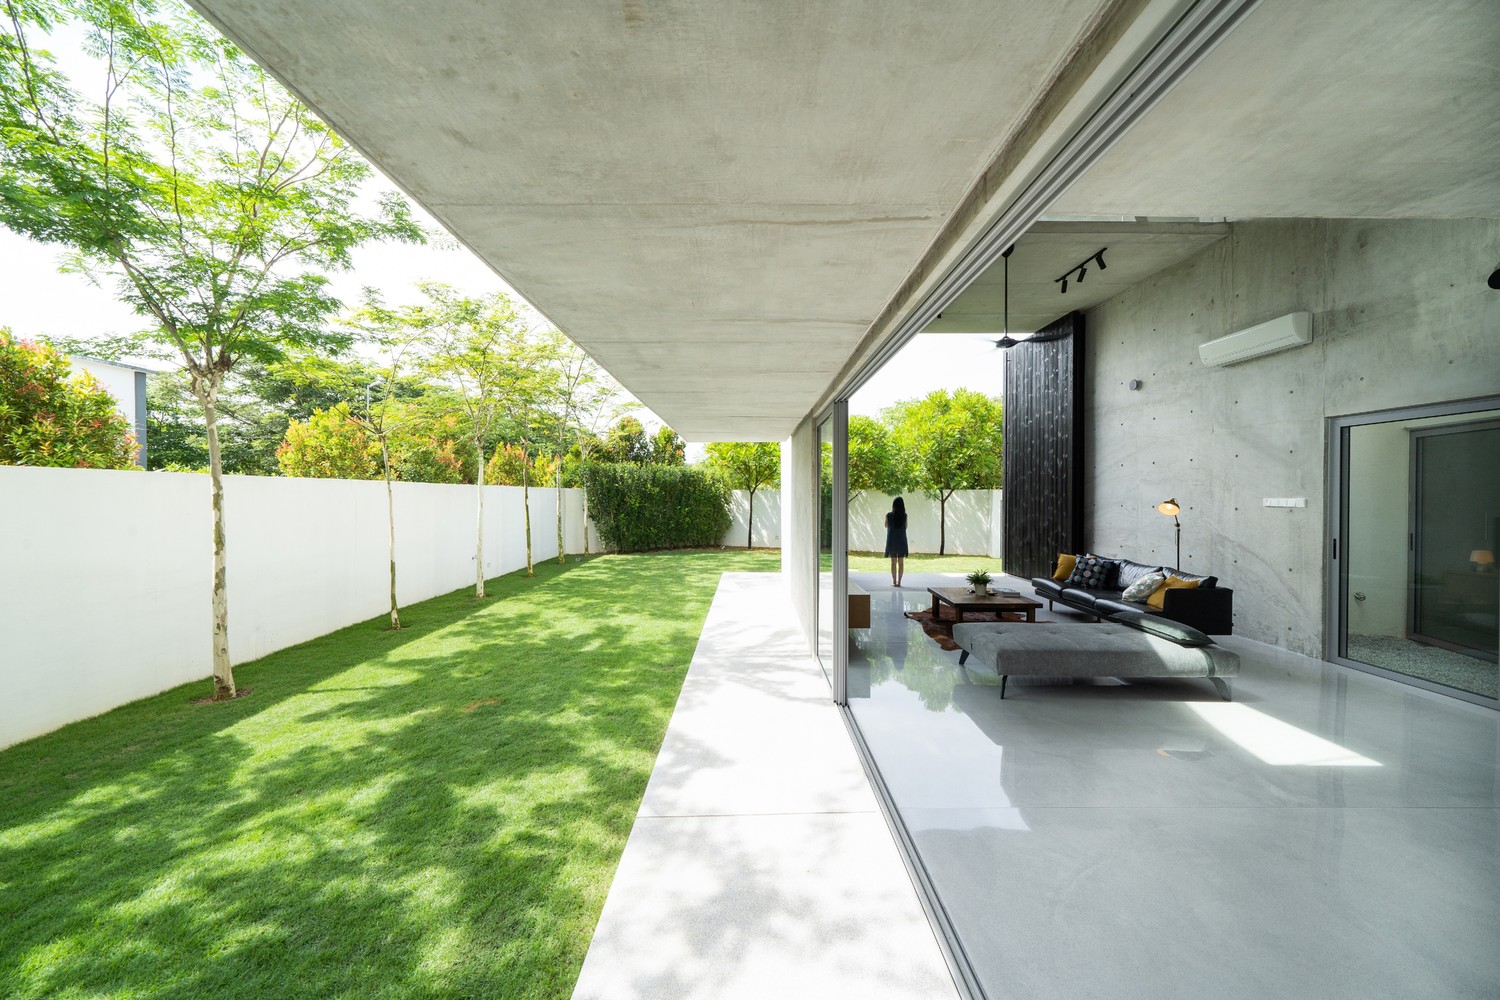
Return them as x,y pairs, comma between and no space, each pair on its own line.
1091,571
1143,588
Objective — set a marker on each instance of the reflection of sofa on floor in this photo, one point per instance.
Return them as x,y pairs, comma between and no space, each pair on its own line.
1056,649
1206,607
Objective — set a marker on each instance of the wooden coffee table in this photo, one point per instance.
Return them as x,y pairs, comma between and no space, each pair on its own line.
961,600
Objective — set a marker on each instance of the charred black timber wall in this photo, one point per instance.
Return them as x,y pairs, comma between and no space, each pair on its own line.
1043,500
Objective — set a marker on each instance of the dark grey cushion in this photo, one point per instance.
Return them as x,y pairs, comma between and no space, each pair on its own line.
1046,587
1183,635
1079,596
1128,571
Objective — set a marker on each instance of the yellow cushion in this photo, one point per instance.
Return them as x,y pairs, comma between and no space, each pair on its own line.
1065,564
1158,598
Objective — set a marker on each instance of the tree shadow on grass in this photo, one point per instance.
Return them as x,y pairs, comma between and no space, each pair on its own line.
436,811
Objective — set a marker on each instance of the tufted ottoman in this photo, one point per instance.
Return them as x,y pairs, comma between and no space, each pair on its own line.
1051,649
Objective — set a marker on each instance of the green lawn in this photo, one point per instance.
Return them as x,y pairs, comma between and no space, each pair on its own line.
432,812
874,562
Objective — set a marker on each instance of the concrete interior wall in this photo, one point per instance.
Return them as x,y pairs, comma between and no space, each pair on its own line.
1401,316
799,524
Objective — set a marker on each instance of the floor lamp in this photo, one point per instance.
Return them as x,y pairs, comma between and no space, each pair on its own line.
1172,508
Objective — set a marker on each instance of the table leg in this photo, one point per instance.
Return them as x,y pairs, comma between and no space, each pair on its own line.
1031,615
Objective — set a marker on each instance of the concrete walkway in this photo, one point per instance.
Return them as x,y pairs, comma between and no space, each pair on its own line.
759,865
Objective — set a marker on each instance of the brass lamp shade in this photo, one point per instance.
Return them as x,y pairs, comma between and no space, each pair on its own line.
1171,508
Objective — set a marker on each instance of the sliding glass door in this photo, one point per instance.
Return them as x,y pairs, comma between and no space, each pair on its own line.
1416,593
833,562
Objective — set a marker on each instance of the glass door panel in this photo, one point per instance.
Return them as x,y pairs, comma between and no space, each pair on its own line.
1419,595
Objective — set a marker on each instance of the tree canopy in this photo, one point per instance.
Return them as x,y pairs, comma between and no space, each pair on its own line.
951,441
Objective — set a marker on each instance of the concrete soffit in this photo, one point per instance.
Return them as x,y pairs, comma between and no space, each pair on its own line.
1133,54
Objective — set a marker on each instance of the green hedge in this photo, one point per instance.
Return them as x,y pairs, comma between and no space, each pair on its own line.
641,507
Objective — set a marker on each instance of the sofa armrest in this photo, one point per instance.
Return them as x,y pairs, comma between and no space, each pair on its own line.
1208,610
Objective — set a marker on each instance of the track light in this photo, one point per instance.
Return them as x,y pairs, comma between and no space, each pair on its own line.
1495,279
1077,271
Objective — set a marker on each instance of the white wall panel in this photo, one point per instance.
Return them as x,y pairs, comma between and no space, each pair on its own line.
104,576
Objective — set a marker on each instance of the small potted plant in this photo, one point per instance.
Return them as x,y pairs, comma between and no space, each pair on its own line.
981,582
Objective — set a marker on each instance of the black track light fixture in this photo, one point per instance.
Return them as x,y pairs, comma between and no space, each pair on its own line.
1077,271
1494,281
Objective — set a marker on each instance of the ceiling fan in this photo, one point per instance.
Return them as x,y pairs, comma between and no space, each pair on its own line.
1006,341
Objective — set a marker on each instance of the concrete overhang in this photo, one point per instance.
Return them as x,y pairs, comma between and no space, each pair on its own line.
717,201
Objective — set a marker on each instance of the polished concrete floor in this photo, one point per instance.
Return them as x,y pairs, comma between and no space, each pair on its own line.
1327,834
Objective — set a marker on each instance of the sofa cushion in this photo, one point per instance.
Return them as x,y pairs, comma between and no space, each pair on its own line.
1143,587
1183,635
1046,589
1065,563
1158,597
1204,582
1085,598
1091,572
1128,571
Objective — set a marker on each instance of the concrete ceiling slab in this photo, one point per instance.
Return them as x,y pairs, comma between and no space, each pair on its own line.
1335,109
1135,251
654,176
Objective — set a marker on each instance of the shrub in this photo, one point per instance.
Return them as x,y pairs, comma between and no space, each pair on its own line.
504,468
331,444
642,507
51,417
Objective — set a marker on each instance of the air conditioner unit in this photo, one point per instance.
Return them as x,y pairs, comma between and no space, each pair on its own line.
1291,330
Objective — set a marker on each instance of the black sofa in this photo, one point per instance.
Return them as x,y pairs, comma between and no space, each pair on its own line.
1207,607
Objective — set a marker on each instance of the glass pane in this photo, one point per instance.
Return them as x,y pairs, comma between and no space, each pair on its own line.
825,546
1422,597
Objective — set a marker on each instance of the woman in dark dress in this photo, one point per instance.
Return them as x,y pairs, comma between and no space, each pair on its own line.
895,540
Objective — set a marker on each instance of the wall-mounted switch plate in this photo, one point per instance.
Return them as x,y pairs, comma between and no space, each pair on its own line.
1286,501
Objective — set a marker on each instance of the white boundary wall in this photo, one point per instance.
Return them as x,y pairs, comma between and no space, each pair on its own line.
973,522
104,576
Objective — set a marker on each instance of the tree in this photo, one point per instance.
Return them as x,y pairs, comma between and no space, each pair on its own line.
331,444
667,448
749,466
952,442
51,417
874,460
532,366
478,347
213,196
626,443
581,382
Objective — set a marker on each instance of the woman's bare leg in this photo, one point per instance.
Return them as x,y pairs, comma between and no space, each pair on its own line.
899,564
894,582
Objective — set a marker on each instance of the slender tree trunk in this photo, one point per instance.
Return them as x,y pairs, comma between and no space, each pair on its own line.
526,502
942,523
479,521
750,522
390,519
207,388
562,557
583,493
